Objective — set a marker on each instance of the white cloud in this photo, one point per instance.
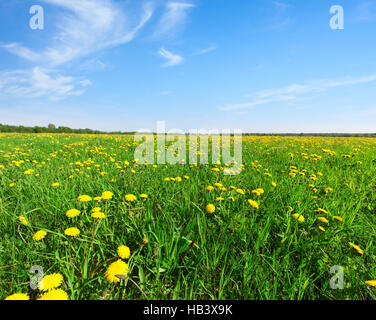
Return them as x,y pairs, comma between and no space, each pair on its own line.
90,26
296,91
172,59
365,11
174,17
38,83
206,50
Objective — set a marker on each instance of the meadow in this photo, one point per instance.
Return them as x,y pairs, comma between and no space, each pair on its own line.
103,227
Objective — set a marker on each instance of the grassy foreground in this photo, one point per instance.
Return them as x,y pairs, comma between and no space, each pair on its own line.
313,205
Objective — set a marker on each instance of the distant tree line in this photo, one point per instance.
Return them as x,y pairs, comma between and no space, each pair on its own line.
51,128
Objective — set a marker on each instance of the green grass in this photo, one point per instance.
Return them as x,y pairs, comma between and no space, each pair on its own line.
236,253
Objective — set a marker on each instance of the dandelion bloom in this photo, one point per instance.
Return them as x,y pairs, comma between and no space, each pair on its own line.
356,248
124,252
107,195
210,208
50,281
55,294
145,241
322,219
72,232
371,283
97,199
56,184
23,220
98,215
240,191
39,235
72,213
130,197
210,188
338,218
84,198
117,268
18,296
253,204
11,185
321,210
96,209
143,196
215,169
219,199
274,184
218,185
298,217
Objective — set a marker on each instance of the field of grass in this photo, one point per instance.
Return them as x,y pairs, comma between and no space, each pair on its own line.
313,207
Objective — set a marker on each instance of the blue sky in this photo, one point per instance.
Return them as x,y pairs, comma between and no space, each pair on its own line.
260,65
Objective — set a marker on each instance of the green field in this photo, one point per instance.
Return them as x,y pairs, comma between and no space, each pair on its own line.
318,196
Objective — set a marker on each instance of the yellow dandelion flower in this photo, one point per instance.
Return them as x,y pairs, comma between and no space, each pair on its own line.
322,219
210,208
360,251
98,215
116,269
274,184
209,188
130,197
18,296
11,185
84,198
338,218
50,281
72,213
23,220
219,199
55,294
322,228
143,196
56,184
96,209
72,232
298,217
240,191
371,283
253,204
39,235
107,195
124,252
321,210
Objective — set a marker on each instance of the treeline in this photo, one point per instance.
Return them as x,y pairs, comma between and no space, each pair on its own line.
51,128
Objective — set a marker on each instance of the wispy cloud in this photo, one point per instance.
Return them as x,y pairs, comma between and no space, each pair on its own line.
90,26
37,83
164,93
206,50
173,19
295,91
280,19
365,11
172,59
